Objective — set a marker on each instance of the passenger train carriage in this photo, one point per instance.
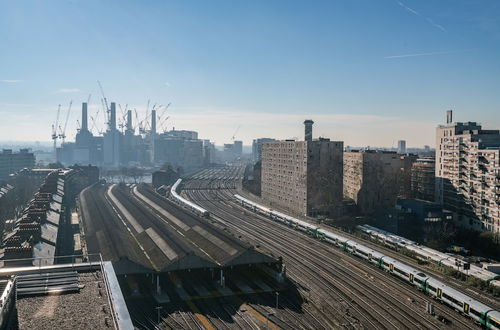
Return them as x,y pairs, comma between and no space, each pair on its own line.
486,316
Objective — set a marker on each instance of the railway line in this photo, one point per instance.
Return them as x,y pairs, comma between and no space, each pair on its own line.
476,293
336,289
119,219
331,270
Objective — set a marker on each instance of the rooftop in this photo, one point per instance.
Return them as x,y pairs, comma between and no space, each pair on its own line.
156,235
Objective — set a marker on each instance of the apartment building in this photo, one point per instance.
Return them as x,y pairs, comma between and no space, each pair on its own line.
468,173
257,148
11,162
374,179
423,179
303,177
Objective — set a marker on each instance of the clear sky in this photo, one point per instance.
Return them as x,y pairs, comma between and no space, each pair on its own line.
368,72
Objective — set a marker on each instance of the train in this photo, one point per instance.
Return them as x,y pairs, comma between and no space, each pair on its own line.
479,312
427,254
184,202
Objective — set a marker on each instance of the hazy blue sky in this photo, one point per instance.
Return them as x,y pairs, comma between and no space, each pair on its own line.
369,72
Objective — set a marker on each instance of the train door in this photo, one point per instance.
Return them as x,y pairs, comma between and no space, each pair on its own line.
370,256
411,278
391,267
466,308
439,293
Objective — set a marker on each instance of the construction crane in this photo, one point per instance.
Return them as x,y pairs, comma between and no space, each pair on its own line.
137,123
62,133
234,134
54,130
164,111
93,119
146,122
162,124
104,101
123,119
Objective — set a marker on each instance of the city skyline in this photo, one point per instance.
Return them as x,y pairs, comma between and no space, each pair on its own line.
259,65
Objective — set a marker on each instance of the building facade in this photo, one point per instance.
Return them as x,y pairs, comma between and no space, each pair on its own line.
423,179
257,148
401,147
11,162
303,177
374,179
468,173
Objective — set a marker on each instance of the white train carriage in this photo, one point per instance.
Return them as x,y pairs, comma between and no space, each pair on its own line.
190,205
333,238
483,314
369,254
493,320
404,272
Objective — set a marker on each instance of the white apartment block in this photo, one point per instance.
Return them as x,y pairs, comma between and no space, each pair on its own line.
468,173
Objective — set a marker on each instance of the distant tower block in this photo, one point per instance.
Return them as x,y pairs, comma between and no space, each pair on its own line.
449,116
308,136
401,147
84,117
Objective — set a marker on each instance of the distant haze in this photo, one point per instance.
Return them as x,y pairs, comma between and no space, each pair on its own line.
367,72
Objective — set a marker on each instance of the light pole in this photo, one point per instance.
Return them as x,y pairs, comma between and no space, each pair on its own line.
267,319
277,295
158,308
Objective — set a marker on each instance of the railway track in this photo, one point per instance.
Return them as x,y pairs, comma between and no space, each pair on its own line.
146,217
379,319
235,219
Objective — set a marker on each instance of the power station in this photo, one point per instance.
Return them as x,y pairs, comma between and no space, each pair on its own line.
119,145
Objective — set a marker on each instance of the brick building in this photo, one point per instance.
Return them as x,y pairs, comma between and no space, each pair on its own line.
374,179
303,177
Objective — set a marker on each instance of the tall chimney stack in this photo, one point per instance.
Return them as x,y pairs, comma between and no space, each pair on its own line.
129,120
153,121
85,126
449,116
112,117
308,125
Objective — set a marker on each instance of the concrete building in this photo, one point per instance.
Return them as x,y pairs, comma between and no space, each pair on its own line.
11,162
257,148
238,149
193,154
232,151
208,152
183,134
412,218
468,173
401,147
112,136
303,177
423,179
114,148
374,179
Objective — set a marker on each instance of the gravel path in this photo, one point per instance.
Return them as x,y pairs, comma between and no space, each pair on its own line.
87,309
